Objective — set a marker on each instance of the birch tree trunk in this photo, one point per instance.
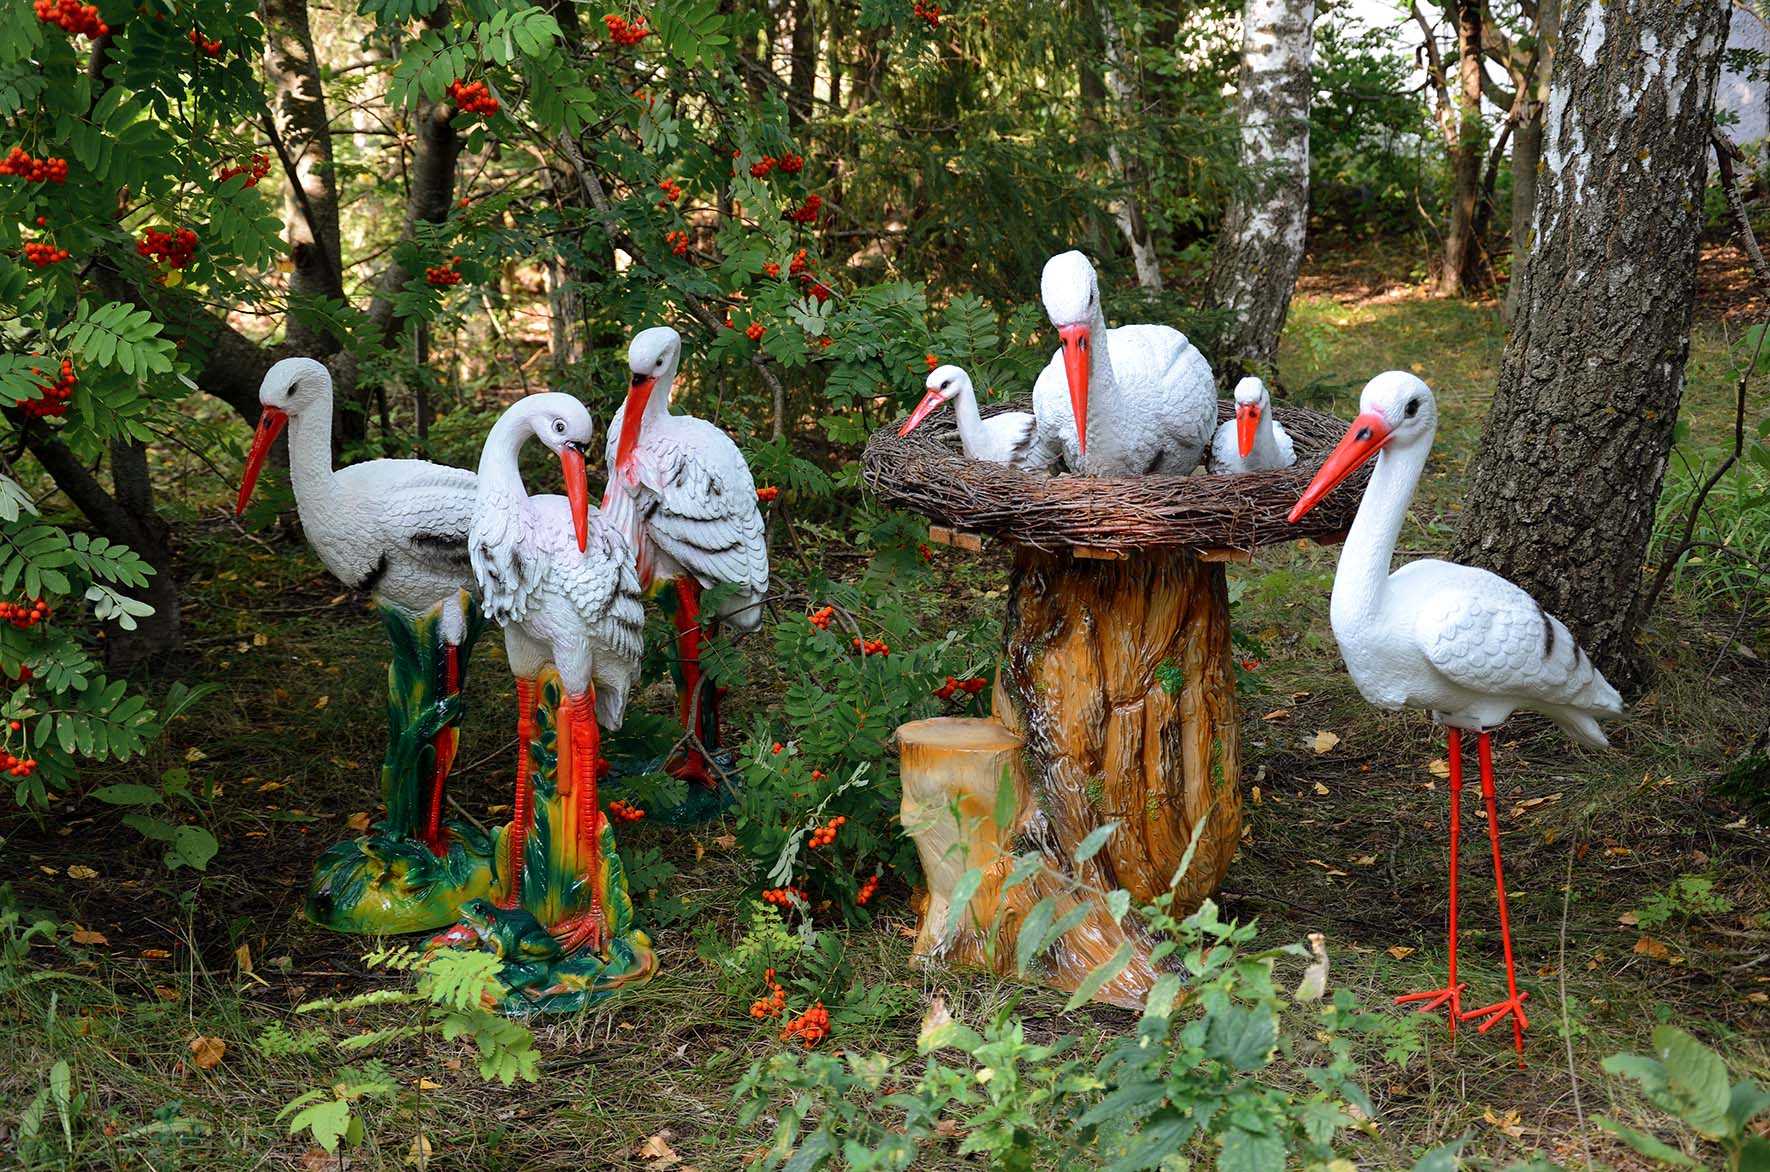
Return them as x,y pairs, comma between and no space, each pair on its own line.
1461,249
1264,230
1527,149
1562,495
1127,171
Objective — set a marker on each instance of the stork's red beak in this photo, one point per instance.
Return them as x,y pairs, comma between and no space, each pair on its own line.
577,492
638,395
930,401
271,421
1247,425
1364,439
1076,341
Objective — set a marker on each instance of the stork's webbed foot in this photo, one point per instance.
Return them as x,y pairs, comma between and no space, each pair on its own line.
1431,1000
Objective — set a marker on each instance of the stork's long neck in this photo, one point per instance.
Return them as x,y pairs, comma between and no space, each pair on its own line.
500,487
1105,403
1362,579
310,460
1265,436
970,421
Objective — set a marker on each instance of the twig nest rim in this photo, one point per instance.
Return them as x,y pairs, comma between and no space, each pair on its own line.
928,472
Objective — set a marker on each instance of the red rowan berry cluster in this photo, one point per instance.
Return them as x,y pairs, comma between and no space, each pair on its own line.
810,1027
929,13
473,98
932,360
43,254
257,169
444,275
826,834
625,811
54,401
820,618
826,342
767,494
783,897
772,1005
623,32
807,212
777,748
761,167
867,889
210,48
17,766
48,169
818,775
678,241
871,646
800,264
76,19
771,269
174,248
672,191
24,614
953,687
922,549
792,164
754,331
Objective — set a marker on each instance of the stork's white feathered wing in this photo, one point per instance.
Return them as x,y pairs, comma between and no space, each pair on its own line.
693,510
1488,636
1165,414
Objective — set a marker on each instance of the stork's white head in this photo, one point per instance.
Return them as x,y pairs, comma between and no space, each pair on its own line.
651,357
290,387
1251,405
1071,292
945,383
564,425
1396,409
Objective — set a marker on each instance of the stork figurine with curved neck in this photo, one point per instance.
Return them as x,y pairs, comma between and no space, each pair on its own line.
1459,642
560,579
398,530
1004,438
1253,441
681,493
1132,401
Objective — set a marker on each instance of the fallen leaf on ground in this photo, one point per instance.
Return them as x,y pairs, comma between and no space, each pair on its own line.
1364,860
938,1015
1278,714
1321,789
166,993
1507,1123
1325,867
1399,951
1325,741
1655,949
320,1160
358,822
425,1084
243,957
1255,795
154,954
88,936
322,702
1438,767
418,1154
81,871
657,1149
1628,919
207,1052
725,841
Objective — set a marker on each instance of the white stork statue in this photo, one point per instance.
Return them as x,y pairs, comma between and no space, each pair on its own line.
394,528
1253,441
681,492
560,579
1131,401
1461,643
1003,438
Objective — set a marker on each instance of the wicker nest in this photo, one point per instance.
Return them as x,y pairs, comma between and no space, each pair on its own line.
929,473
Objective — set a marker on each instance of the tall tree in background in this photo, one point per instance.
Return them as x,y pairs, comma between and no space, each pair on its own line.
1532,80
1466,133
1264,230
1562,495
1127,171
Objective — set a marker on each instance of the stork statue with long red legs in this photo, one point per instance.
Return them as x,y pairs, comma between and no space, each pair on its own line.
560,579
1459,642
1136,400
398,530
682,494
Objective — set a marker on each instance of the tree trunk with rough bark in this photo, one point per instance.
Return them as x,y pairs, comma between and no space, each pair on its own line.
1562,495
1462,250
1527,150
1264,230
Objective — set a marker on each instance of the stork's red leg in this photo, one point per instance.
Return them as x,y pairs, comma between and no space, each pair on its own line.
524,810
1513,1005
587,929
443,746
688,648
1452,992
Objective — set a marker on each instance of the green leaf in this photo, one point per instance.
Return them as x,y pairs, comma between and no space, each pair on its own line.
1745,1103
193,847
1243,1037
1696,1078
1090,846
1098,976
327,1121
1007,800
1444,1158
958,905
127,795
1244,1151
1647,1145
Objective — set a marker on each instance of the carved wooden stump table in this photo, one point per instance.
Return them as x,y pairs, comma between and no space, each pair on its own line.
1115,696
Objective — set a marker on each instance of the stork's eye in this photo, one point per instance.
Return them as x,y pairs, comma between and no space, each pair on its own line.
1413,408
559,427
659,363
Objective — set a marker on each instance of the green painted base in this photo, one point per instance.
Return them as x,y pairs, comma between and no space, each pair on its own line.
383,883
560,881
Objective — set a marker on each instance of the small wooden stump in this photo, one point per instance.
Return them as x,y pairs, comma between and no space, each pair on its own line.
953,769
